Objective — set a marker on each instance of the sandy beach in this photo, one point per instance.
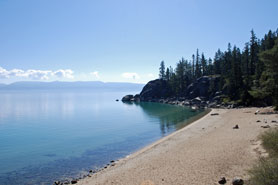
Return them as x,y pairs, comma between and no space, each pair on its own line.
198,154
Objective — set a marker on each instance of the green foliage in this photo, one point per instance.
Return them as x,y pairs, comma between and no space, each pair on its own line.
270,142
162,70
246,76
270,75
265,172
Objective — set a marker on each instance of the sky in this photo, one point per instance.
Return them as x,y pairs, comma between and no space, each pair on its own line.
120,40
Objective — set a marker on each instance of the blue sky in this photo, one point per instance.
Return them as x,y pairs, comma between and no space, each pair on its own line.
119,40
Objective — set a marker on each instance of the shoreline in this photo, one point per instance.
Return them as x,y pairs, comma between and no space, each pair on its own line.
160,162
184,124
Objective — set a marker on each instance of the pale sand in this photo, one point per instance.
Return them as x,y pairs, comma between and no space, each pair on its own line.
199,154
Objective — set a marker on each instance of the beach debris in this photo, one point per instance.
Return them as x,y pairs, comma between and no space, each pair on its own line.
214,114
257,112
236,127
237,181
74,181
273,121
222,180
258,121
265,126
112,161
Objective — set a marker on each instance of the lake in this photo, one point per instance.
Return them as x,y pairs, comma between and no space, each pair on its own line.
48,135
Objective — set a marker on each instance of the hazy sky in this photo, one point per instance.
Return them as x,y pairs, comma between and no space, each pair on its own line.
120,40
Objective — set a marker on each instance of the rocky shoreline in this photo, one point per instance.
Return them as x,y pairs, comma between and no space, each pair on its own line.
200,94
86,174
197,103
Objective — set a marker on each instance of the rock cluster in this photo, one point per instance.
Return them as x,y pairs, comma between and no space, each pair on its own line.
199,94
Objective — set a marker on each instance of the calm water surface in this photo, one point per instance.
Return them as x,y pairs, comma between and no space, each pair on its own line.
51,135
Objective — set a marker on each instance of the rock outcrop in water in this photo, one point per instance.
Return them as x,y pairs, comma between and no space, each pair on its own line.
202,93
127,98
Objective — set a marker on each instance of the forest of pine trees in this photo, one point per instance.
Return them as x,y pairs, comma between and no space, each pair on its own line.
246,76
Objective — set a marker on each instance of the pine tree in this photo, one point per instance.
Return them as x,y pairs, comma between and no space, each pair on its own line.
198,72
162,70
253,52
217,62
204,65
193,66
245,66
181,77
167,74
210,67
270,83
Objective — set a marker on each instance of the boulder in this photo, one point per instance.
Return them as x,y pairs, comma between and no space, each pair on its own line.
203,87
74,182
155,90
136,98
127,98
237,181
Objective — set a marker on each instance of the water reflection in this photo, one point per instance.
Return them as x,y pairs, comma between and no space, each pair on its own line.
171,117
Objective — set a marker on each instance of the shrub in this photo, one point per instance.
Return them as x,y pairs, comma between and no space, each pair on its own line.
265,172
270,142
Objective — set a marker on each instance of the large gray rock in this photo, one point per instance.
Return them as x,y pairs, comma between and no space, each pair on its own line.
127,98
203,87
136,97
156,89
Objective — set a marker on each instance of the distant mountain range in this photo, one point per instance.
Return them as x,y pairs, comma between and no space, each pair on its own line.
92,85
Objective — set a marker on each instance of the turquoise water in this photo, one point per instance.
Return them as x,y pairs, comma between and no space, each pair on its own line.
51,135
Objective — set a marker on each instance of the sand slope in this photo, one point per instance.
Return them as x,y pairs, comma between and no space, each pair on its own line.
199,154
